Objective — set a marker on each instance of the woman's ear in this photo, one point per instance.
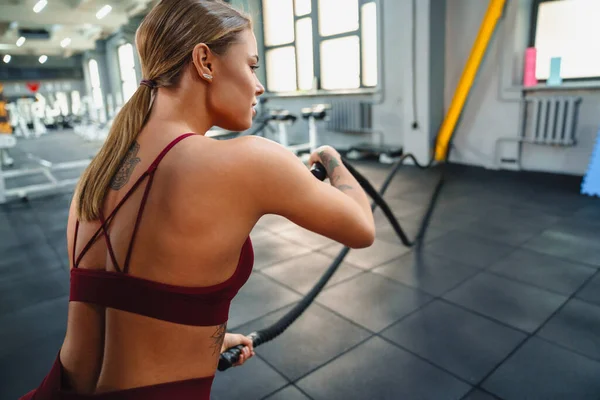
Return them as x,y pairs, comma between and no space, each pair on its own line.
203,59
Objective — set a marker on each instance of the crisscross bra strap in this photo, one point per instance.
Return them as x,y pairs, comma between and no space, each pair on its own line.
105,222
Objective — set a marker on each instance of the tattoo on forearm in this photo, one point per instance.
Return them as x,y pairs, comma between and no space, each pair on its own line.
344,188
217,337
126,169
331,163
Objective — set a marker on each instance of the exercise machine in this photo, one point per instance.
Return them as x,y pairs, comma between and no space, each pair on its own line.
6,142
313,114
284,119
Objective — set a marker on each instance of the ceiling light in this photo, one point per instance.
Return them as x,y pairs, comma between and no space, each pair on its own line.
65,42
39,6
20,41
103,12
43,59
7,58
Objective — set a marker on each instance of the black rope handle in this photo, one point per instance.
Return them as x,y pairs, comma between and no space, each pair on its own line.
319,171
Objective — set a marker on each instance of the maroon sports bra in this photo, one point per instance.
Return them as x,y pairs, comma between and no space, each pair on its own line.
199,306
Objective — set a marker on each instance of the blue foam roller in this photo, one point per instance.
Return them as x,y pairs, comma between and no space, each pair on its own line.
591,180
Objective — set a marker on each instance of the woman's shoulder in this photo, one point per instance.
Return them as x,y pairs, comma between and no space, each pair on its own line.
204,158
240,147
257,152
246,163
242,154
249,145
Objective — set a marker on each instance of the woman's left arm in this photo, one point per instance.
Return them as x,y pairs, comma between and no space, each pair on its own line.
235,339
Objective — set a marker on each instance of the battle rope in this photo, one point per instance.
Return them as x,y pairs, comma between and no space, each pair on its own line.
231,356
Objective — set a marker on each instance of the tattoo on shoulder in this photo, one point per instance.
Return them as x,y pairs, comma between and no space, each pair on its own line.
331,163
129,163
217,337
344,188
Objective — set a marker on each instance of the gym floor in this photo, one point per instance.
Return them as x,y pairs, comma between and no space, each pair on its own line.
502,301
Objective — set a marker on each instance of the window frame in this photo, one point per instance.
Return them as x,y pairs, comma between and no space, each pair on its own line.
535,6
317,40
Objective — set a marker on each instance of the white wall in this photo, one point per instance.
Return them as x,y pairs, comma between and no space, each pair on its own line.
493,108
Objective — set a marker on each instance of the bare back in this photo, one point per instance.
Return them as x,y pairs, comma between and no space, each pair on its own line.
192,229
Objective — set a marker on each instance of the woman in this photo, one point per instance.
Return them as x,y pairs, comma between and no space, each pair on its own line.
159,225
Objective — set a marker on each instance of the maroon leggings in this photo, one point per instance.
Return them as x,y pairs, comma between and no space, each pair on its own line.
52,389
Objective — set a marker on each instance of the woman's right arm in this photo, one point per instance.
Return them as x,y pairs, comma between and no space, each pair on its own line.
279,183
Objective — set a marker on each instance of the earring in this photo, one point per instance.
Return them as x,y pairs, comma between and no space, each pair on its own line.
207,76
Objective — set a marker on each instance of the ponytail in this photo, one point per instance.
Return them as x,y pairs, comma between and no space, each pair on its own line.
97,177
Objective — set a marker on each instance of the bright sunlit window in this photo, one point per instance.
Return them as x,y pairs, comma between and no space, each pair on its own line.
127,70
304,52
95,82
340,63
369,44
568,29
281,69
278,22
303,7
332,46
337,16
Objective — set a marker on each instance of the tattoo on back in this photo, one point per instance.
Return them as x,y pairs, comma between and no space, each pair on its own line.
344,188
126,169
217,337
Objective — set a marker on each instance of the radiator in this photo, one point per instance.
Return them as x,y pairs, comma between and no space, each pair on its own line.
350,116
551,120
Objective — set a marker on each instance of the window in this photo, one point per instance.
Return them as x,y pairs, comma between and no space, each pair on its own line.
320,47
279,22
127,70
567,29
96,87
302,7
304,53
369,44
340,63
281,69
333,21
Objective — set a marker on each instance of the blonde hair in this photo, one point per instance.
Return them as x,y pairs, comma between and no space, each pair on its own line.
165,41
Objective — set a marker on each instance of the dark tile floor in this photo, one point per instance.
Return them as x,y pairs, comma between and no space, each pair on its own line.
56,148
502,301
